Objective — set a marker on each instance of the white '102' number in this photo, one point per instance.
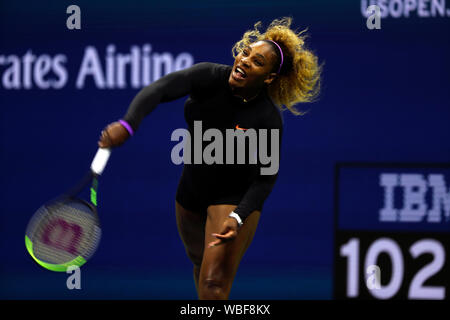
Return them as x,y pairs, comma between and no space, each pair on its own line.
416,290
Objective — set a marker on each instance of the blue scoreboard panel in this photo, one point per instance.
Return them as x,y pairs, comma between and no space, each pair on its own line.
392,231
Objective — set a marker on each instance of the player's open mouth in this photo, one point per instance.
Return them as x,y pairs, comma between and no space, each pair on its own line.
239,73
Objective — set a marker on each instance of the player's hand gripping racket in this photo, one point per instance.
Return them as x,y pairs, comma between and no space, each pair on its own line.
66,231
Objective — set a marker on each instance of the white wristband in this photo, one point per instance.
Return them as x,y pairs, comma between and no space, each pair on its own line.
236,216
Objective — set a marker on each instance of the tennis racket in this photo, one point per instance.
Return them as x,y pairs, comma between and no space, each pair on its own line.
66,231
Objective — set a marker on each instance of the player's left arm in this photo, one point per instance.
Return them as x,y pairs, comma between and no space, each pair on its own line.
258,191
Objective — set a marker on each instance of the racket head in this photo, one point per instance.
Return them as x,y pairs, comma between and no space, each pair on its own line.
63,233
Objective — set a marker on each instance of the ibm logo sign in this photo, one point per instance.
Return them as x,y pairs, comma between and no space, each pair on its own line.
415,188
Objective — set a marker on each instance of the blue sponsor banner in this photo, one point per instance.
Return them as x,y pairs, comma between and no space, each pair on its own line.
393,197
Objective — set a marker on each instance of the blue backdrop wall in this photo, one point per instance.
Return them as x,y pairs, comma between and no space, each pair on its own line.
385,98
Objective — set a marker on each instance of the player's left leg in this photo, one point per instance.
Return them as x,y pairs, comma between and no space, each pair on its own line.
220,263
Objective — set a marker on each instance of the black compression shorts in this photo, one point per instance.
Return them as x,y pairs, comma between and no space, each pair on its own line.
193,197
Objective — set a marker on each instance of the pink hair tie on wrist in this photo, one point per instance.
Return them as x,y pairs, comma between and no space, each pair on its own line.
127,126
281,52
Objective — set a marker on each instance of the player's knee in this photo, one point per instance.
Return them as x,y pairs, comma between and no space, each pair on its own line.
213,289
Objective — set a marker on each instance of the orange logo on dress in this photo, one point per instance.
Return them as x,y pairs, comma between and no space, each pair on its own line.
237,127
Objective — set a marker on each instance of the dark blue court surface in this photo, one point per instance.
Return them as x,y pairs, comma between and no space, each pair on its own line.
166,285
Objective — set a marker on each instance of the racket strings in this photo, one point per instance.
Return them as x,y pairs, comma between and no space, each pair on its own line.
63,230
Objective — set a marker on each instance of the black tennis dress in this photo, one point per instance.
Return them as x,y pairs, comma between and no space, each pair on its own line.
212,102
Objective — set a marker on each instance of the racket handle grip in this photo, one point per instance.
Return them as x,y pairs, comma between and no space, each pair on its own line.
100,160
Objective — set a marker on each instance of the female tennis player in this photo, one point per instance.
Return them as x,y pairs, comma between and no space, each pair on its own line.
218,206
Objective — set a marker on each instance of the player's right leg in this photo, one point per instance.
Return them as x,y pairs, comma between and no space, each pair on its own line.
191,227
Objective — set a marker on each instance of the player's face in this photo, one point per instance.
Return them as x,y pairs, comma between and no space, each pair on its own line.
253,66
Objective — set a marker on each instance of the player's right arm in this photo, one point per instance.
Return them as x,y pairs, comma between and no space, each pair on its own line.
168,88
